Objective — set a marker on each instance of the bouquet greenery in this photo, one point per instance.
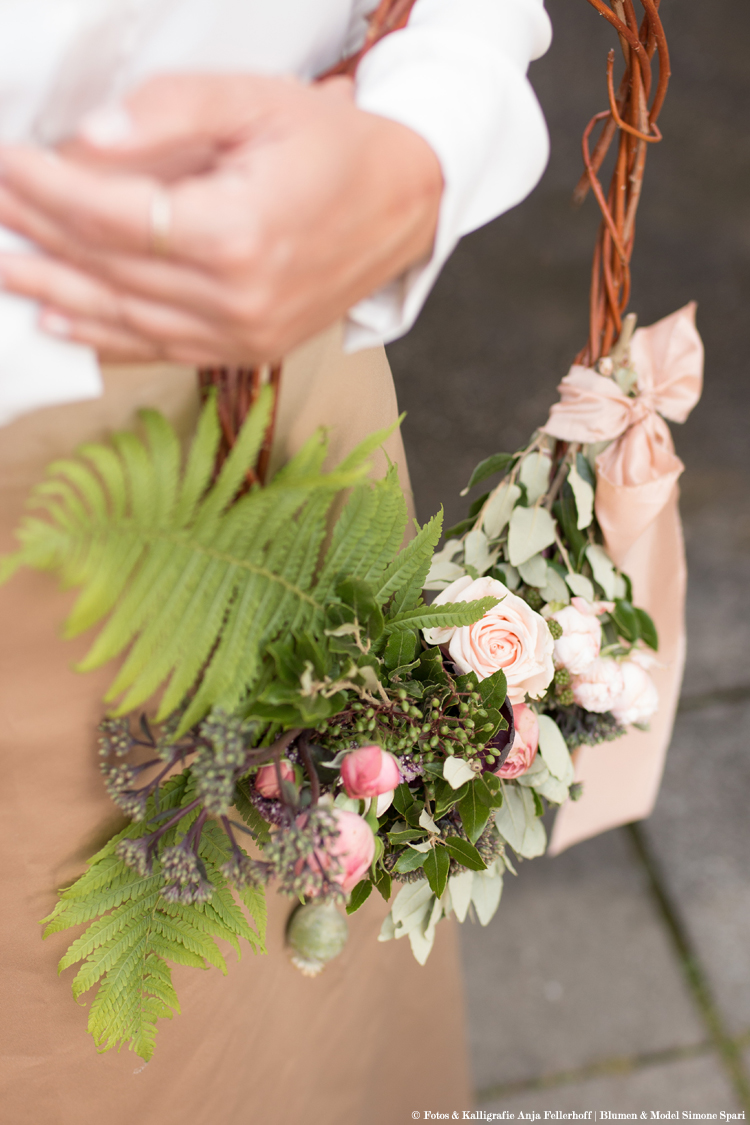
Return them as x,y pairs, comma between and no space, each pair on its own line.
317,725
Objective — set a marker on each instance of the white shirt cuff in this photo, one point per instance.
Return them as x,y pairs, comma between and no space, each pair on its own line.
457,76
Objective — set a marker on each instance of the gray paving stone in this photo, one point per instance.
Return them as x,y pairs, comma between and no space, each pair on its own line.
700,835
573,969
696,1085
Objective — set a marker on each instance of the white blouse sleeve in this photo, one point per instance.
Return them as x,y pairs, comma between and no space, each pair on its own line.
457,76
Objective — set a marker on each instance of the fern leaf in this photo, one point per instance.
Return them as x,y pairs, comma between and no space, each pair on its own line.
407,574
441,616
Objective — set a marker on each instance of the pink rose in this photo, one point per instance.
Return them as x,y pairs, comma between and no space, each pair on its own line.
510,636
600,686
579,646
639,699
525,742
266,781
354,847
369,771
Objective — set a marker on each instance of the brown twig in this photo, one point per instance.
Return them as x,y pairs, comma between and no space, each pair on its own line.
634,124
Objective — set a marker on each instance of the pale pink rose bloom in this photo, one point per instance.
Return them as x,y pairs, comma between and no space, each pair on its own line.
600,686
266,781
369,771
510,636
525,742
639,699
354,847
579,645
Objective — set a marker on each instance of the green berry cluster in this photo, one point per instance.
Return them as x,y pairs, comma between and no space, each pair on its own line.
438,725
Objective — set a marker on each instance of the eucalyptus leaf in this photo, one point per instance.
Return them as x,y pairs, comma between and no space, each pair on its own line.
531,530
457,772
518,823
554,750
486,890
603,570
584,498
535,474
581,586
534,571
498,509
556,589
477,552
460,886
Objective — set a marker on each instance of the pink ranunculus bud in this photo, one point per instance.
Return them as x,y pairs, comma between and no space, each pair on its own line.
266,781
525,742
369,771
600,686
354,847
581,640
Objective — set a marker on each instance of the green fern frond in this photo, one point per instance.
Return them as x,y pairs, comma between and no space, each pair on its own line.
440,616
185,581
407,573
136,933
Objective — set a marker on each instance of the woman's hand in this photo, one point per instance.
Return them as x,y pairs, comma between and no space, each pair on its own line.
218,219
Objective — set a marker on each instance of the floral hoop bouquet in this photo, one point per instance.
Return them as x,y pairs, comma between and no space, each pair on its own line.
320,727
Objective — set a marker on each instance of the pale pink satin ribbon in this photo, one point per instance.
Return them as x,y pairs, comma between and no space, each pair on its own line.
636,506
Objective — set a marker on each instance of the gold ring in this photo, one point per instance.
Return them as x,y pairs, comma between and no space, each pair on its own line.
160,225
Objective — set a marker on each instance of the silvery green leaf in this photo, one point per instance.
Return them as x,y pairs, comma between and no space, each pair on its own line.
477,552
411,906
584,497
426,821
334,763
498,508
460,887
423,848
535,473
518,823
443,570
534,571
348,803
505,858
347,629
486,890
422,940
457,772
556,589
603,570
534,776
554,751
509,575
531,530
621,587
552,790
388,929
581,586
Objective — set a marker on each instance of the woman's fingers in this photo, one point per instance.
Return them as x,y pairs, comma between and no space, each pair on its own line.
77,303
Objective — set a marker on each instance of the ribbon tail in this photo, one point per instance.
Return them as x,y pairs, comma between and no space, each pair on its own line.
621,779
625,512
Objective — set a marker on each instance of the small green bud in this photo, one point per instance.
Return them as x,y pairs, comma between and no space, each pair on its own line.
562,677
555,628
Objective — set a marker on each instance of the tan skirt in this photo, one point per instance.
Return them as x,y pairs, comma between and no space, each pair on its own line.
372,1039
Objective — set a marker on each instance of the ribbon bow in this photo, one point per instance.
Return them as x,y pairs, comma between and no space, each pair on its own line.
637,473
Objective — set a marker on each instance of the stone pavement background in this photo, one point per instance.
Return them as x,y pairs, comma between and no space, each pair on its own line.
617,975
